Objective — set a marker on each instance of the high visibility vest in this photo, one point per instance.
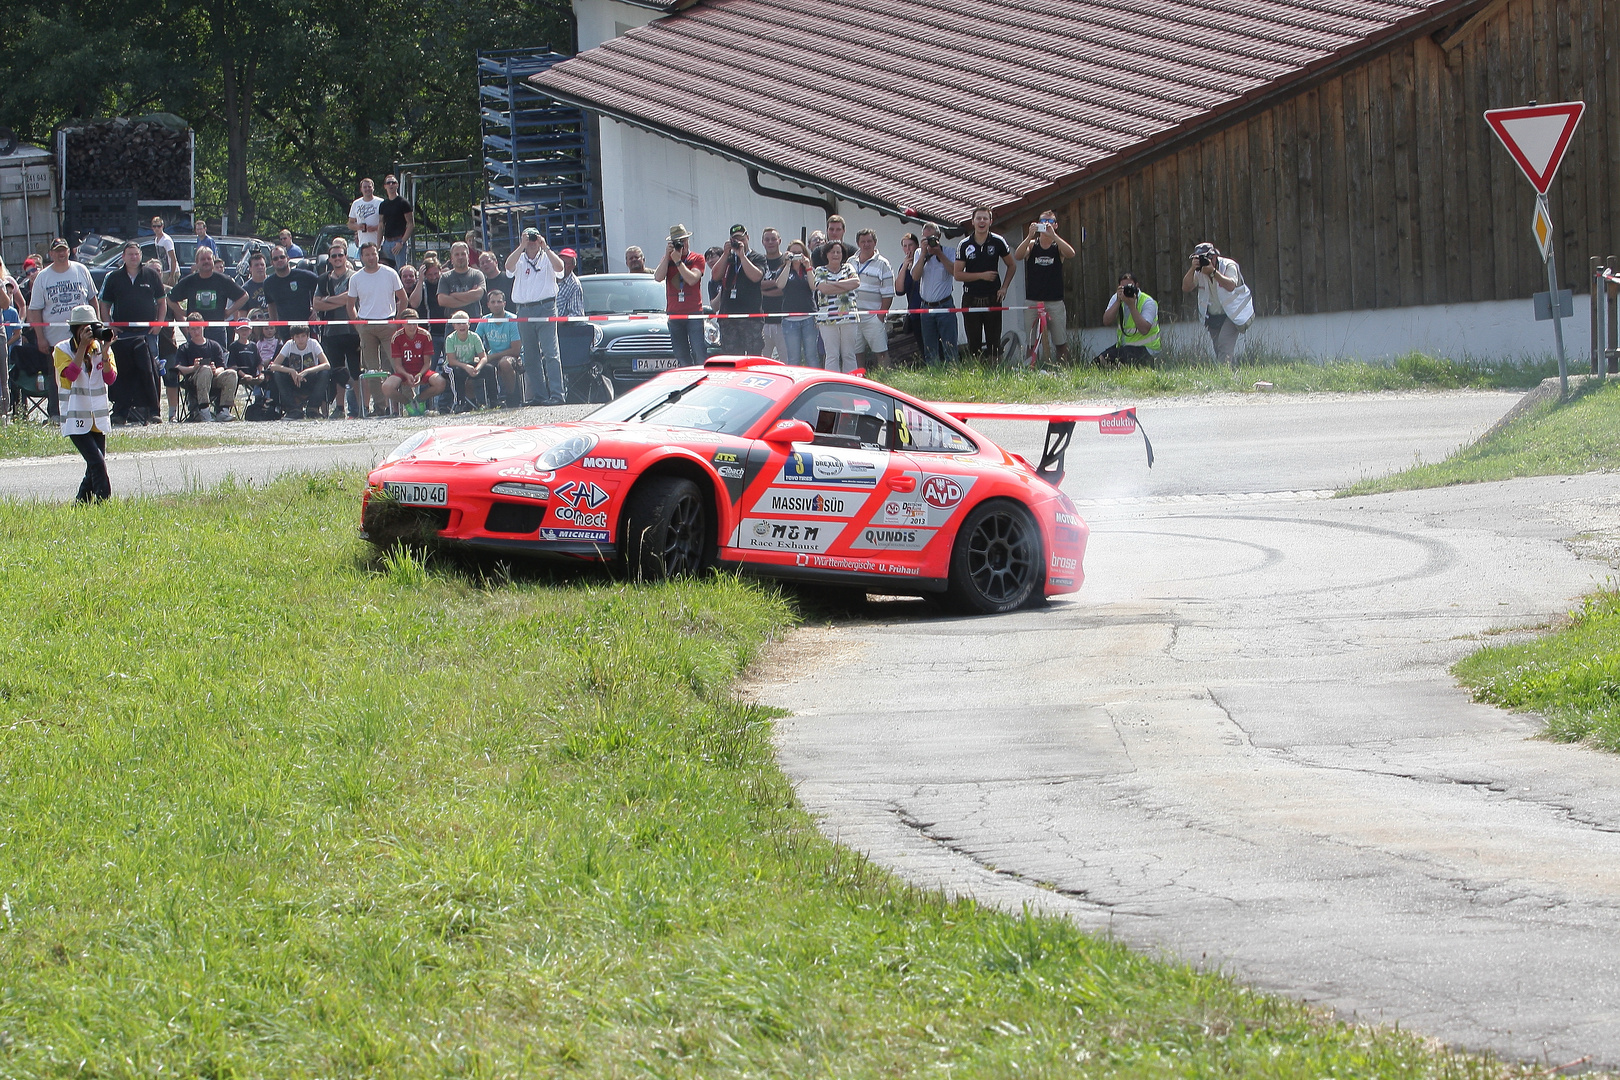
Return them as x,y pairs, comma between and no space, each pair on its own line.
1127,326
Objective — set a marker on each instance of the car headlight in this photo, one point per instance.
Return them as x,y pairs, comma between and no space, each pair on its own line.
566,452
409,447
596,338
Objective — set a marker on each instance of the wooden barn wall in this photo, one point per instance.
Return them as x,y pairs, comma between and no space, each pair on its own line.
1382,187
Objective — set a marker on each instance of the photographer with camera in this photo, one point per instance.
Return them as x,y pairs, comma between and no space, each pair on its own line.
1135,316
84,370
681,271
934,268
800,337
739,272
1224,303
1042,254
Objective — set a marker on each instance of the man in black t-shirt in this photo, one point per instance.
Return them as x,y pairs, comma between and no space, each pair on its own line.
398,222
290,293
495,279
977,259
132,293
252,298
206,292
739,272
1042,254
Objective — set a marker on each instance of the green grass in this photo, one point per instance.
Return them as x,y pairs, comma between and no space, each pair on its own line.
41,440
1195,374
269,808
1570,676
1553,439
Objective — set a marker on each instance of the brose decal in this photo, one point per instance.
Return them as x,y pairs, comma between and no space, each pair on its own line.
1065,564
942,492
617,464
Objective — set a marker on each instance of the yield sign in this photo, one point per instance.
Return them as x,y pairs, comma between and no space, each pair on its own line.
1537,136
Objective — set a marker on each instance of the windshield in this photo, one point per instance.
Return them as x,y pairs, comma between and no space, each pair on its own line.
622,295
698,402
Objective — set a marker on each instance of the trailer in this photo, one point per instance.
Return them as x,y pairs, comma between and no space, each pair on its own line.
29,210
116,173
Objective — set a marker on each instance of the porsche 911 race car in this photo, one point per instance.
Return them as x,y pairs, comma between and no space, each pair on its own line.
745,463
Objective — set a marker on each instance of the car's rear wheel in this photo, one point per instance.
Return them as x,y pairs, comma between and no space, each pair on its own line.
996,561
666,529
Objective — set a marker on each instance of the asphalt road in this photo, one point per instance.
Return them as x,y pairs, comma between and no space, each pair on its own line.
1240,744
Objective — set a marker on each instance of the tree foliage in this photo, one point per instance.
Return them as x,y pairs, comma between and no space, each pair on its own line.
293,100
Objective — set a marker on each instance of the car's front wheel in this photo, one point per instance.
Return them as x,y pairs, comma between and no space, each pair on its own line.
666,529
996,560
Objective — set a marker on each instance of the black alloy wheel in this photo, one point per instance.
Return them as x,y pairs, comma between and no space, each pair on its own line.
996,562
666,530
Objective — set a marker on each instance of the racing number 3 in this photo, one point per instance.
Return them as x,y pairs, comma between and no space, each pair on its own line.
901,430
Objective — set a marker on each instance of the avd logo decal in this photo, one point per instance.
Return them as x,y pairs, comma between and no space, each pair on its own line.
942,492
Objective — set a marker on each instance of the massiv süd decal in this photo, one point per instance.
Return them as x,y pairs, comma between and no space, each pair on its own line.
823,503
765,534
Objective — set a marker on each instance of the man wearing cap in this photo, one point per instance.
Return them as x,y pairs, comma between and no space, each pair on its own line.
681,271
58,289
739,272
534,268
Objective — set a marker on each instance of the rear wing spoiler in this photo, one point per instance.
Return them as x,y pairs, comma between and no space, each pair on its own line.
1060,423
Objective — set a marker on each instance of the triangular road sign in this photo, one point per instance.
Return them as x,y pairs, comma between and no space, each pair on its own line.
1537,136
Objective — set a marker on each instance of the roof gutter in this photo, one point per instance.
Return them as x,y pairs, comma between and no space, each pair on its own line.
1175,139
832,191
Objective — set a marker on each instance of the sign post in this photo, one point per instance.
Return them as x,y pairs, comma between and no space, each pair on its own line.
1537,136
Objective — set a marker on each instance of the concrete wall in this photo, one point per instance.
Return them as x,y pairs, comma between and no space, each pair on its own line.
1490,330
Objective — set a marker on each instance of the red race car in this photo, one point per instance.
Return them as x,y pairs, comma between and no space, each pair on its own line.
745,463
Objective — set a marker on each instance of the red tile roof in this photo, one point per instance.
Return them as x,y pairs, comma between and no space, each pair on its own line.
935,106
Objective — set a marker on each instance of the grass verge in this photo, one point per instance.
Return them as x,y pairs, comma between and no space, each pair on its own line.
1570,676
1195,374
1553,439
269,808
41,440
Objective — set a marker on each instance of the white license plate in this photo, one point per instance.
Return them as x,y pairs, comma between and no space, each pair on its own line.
657,363
418,494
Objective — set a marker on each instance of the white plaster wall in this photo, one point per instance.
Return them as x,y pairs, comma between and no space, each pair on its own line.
600,20
1489,330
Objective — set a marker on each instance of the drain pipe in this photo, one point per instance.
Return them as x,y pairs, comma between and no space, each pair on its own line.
826,202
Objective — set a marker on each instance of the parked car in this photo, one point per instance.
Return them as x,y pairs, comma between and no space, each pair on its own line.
234,253
625,349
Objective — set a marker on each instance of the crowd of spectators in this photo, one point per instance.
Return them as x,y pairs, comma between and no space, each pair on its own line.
443,332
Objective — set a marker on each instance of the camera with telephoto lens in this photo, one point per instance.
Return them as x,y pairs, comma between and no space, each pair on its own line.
1205,254
1130,291
100,331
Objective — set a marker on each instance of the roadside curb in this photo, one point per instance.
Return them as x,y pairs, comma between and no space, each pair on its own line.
1546,391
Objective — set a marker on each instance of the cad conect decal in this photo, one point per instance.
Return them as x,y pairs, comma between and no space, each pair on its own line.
824,469
766,534
892,539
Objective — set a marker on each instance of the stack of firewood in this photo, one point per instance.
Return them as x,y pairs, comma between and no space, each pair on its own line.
112,155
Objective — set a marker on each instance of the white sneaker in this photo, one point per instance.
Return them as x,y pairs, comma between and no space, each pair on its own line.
223,416
205,413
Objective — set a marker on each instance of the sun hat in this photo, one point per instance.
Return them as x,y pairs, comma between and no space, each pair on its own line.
83,315
677,233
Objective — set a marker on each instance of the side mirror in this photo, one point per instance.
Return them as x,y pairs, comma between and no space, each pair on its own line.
788,432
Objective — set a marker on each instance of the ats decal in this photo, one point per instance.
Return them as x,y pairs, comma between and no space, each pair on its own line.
763,534
581,493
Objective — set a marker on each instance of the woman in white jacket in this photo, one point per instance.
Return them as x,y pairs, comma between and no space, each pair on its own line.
84,370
